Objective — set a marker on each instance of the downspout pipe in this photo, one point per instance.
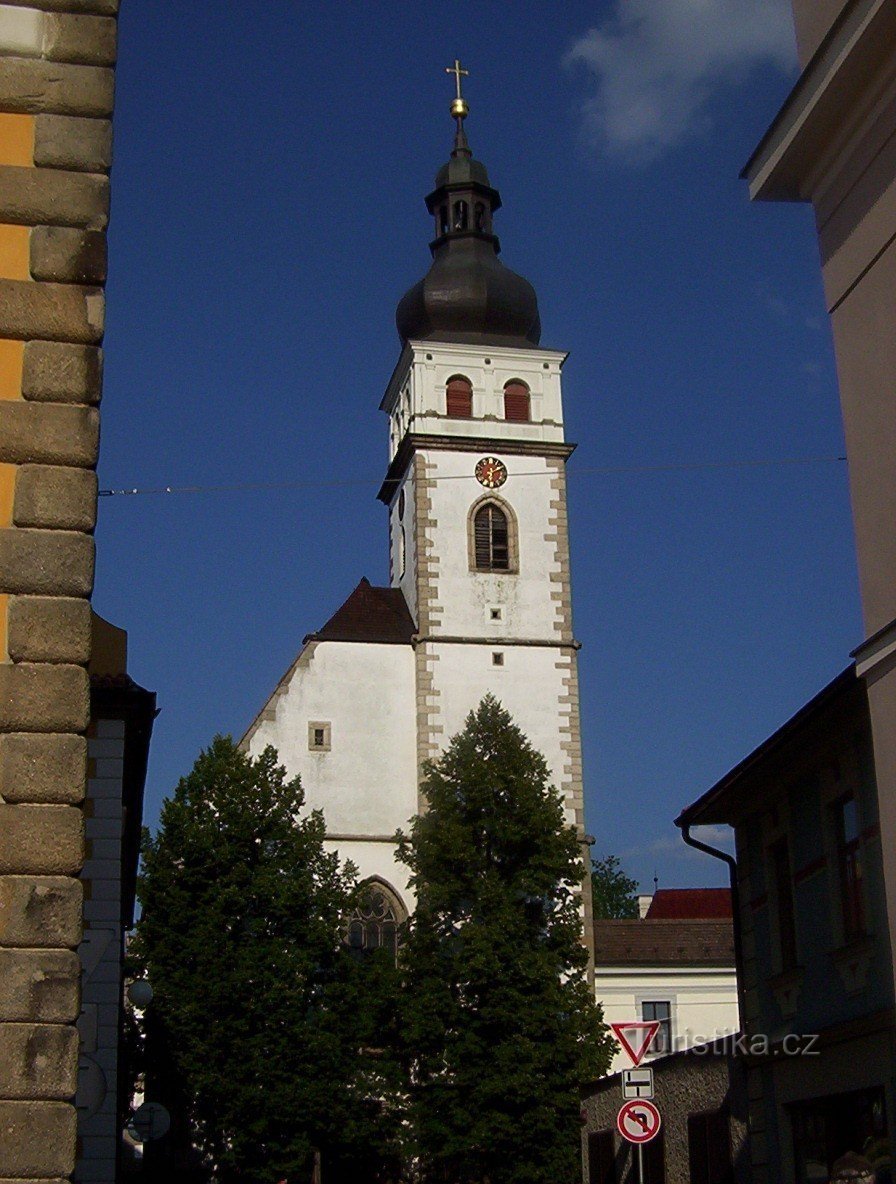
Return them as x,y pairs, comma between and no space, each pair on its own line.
685,828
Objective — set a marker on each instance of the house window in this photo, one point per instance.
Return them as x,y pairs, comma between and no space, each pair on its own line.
849,862
376,922
827,1128
459,397
779,857
659,1009
516,402
491,537
497,658
318,736
654,1160
709,1148
601,1158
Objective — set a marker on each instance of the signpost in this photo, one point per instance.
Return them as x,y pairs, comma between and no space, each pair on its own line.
637,1083
639,1120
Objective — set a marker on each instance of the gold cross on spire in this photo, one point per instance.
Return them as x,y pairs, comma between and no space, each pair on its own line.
459,108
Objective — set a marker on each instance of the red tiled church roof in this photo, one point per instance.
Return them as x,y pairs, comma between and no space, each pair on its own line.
693,903
370,614
663,943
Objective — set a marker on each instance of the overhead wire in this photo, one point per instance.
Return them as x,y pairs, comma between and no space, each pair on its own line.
599,470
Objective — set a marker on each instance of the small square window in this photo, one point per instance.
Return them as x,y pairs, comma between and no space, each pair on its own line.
497,659
318,736
495,613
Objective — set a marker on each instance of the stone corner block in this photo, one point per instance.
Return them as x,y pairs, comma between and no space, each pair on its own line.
71,37
68,254
54,312
46,562
34,87
38,1061
43,767
43,697
48,434
38,1139
54,197
41,911
58,372
67,142
55,496
47,629
43,840
39,986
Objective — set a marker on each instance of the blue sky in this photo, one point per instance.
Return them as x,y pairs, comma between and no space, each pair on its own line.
270,167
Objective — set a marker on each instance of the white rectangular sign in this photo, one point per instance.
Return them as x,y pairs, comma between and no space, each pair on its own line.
637,1083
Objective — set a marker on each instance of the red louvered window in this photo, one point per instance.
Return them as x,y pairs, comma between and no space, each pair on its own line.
459,398
516,402
491,535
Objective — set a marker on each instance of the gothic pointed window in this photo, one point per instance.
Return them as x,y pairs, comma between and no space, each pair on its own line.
516,402
459,397
376,921
491,538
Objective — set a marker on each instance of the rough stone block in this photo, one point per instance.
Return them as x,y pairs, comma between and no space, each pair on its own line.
66,142
47,434
36,86
38,1060
50,495
86,39
39,986
37,1139
47,629
37,767
56,312
41,697
46,562
41,911
44,840
68,255
34,197
60,373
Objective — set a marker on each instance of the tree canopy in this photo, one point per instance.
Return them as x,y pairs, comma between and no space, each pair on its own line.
256,999
613,893
499,1020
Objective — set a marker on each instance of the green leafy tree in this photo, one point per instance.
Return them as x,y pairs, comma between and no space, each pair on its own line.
243,915
613,893
500,1025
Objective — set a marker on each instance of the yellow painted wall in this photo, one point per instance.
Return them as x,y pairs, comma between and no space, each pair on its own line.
15,248
12,361
17,139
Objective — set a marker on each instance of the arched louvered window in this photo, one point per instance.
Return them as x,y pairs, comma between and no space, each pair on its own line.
376,922
491,538
459,397
516,402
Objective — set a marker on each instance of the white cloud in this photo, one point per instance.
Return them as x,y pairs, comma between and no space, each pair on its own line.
656,63
673,845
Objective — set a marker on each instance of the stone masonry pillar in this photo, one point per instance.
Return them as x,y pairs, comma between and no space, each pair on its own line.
56,87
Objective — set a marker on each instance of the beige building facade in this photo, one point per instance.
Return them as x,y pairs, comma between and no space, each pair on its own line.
56,96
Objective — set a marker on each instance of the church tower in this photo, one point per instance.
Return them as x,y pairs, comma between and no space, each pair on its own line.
479,595
476,486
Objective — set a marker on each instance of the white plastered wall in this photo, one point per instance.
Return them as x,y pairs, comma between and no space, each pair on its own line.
703,1001
366,784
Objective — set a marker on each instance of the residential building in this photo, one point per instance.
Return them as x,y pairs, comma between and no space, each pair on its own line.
815,959
676,968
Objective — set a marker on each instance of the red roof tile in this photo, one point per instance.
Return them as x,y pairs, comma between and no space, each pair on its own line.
370,614
694,903
663,943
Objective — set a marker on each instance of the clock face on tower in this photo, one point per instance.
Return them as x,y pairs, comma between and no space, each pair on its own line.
491,472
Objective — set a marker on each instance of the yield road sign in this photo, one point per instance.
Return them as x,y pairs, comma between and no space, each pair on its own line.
638,1122
637,1083
635,1037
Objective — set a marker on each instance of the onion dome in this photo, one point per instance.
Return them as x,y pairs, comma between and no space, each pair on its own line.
467,295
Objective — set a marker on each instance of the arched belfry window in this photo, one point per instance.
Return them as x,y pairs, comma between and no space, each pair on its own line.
461,215
376,921
459,397
492,537
516,401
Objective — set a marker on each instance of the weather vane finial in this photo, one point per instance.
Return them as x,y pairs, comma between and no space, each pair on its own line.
459,108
